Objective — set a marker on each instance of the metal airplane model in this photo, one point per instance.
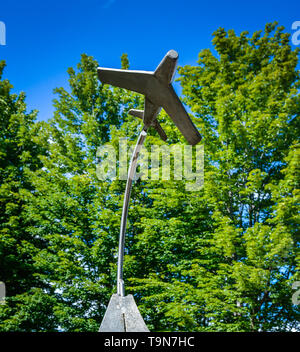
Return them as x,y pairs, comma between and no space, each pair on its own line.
159,93
122,313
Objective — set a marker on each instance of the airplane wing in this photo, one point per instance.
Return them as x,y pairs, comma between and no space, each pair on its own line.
136,113
174,108
128,79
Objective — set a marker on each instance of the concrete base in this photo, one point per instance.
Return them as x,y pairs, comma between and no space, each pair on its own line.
122,315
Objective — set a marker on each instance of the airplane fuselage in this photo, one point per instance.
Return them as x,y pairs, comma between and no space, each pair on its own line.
159,93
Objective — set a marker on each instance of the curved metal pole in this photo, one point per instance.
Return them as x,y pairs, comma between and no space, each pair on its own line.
131,174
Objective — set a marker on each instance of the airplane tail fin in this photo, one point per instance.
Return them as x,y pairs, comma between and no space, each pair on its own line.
156,124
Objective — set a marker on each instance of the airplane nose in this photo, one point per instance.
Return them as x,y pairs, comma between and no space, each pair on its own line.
172,54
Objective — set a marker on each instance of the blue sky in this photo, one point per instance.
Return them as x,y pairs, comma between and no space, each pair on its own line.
44,38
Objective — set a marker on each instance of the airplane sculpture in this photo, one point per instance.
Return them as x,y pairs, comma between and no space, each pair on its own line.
122,313
159,93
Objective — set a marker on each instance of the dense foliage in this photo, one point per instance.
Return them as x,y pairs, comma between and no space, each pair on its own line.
222,258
